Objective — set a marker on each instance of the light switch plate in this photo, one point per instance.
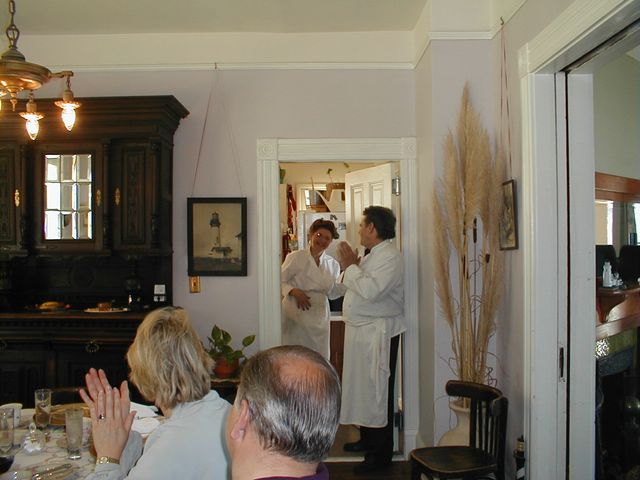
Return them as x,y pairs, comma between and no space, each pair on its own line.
194,284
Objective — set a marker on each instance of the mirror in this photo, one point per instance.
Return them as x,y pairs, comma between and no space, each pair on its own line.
617,210
617,148
67,199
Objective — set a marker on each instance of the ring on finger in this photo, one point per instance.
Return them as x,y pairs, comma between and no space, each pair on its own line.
101,416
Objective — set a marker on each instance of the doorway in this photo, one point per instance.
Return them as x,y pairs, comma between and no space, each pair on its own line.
272,154
558,161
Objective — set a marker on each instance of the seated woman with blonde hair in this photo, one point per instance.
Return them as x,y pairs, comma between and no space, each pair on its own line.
170,368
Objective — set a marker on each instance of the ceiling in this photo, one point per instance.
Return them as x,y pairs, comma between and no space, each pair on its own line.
51,17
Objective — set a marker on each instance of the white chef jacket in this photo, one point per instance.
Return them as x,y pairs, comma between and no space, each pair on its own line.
373,311
308,327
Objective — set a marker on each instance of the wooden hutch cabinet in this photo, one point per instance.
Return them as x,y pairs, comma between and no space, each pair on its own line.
84,216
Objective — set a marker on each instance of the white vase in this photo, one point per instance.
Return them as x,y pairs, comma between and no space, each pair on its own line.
459,435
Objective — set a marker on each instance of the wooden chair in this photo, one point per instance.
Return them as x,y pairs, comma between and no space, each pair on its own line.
487,434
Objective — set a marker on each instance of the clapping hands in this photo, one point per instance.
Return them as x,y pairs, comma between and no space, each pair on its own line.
110,417
347,256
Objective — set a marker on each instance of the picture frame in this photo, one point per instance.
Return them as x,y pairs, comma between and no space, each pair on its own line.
217,236
509,217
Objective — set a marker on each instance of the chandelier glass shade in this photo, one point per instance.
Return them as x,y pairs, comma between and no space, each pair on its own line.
18,75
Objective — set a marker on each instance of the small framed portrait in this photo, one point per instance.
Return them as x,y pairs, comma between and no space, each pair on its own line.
509,217
217,236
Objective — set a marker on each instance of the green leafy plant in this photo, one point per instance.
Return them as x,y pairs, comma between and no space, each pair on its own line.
220,345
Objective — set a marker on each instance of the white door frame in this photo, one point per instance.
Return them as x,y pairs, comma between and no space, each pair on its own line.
273,151
581,27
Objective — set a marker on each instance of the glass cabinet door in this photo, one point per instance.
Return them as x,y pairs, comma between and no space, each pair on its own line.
68,197
68,200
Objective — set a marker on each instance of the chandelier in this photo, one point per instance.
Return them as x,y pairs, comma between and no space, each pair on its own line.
16,75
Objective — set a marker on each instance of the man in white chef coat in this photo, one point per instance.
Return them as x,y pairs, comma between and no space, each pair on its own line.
373,311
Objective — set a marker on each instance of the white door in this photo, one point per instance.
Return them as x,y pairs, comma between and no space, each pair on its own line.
370,186
363,188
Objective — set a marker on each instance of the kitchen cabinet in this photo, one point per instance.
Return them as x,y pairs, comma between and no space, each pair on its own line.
69,199
50,350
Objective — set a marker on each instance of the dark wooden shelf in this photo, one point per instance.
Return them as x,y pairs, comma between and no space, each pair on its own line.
618,310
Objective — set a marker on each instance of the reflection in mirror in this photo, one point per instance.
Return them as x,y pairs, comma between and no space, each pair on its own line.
68,213
617,223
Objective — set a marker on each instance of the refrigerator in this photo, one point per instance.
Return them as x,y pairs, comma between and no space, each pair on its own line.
306,218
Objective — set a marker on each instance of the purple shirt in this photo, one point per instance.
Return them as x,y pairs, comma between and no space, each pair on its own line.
321,474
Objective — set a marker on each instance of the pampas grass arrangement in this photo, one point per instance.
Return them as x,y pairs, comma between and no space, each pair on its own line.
468,261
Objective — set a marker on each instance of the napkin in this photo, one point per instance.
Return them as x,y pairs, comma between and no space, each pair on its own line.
144,411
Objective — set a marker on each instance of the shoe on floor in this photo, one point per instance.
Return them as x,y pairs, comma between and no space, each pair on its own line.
370,467
354,446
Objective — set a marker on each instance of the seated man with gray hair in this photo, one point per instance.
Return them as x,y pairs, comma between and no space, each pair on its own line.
285,415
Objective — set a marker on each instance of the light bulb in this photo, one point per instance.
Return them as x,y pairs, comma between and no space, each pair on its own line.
33,127
32,116
68,106
68,116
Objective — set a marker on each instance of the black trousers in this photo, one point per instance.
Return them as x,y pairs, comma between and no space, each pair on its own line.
378,442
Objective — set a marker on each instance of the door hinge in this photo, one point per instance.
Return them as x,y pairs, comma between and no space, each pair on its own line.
398,420
395,186
561,365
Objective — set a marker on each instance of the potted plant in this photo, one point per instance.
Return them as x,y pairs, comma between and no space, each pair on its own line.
467,257
226,358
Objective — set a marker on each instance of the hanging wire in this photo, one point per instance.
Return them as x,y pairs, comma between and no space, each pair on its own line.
214,81
504,92
232,140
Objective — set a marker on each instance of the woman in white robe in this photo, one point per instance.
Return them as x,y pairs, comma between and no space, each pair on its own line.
308,280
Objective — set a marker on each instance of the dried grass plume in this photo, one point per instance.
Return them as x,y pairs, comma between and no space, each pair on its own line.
468,261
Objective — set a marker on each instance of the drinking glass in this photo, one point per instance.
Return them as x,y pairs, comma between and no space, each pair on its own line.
73,427
43,407
6,430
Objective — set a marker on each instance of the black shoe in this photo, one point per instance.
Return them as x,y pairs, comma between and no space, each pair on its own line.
354,446
370,467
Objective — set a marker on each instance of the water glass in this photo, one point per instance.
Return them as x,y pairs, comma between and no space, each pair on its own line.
73,427
6,430
43,407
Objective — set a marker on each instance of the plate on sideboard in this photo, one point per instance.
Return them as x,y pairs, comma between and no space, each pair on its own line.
111,310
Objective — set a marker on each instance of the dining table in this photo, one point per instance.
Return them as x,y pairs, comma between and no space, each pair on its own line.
26,465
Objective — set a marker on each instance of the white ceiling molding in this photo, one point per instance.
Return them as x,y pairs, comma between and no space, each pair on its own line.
564,32
189,50
399,49
485,35
460,20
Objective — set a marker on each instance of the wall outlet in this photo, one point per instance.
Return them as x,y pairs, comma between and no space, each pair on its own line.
194,284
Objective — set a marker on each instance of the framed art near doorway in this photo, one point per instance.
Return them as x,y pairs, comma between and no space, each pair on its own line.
509,217
217,236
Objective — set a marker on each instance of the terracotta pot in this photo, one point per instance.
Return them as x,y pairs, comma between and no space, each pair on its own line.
223,369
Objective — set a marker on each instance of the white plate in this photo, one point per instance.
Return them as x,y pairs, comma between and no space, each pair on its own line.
111,310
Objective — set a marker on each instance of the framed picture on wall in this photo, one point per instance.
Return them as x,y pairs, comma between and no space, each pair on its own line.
509,217
217,236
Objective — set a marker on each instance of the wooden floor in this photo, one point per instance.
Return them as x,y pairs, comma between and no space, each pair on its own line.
341,463
344,471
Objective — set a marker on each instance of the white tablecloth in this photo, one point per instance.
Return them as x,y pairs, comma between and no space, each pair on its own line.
55,453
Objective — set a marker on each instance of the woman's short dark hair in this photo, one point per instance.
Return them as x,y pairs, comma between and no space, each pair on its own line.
383,220
327,225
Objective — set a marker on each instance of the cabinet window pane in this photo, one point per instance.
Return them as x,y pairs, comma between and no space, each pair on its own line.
53,168
68,201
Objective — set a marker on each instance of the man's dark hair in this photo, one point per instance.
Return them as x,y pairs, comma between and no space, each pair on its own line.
383,220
